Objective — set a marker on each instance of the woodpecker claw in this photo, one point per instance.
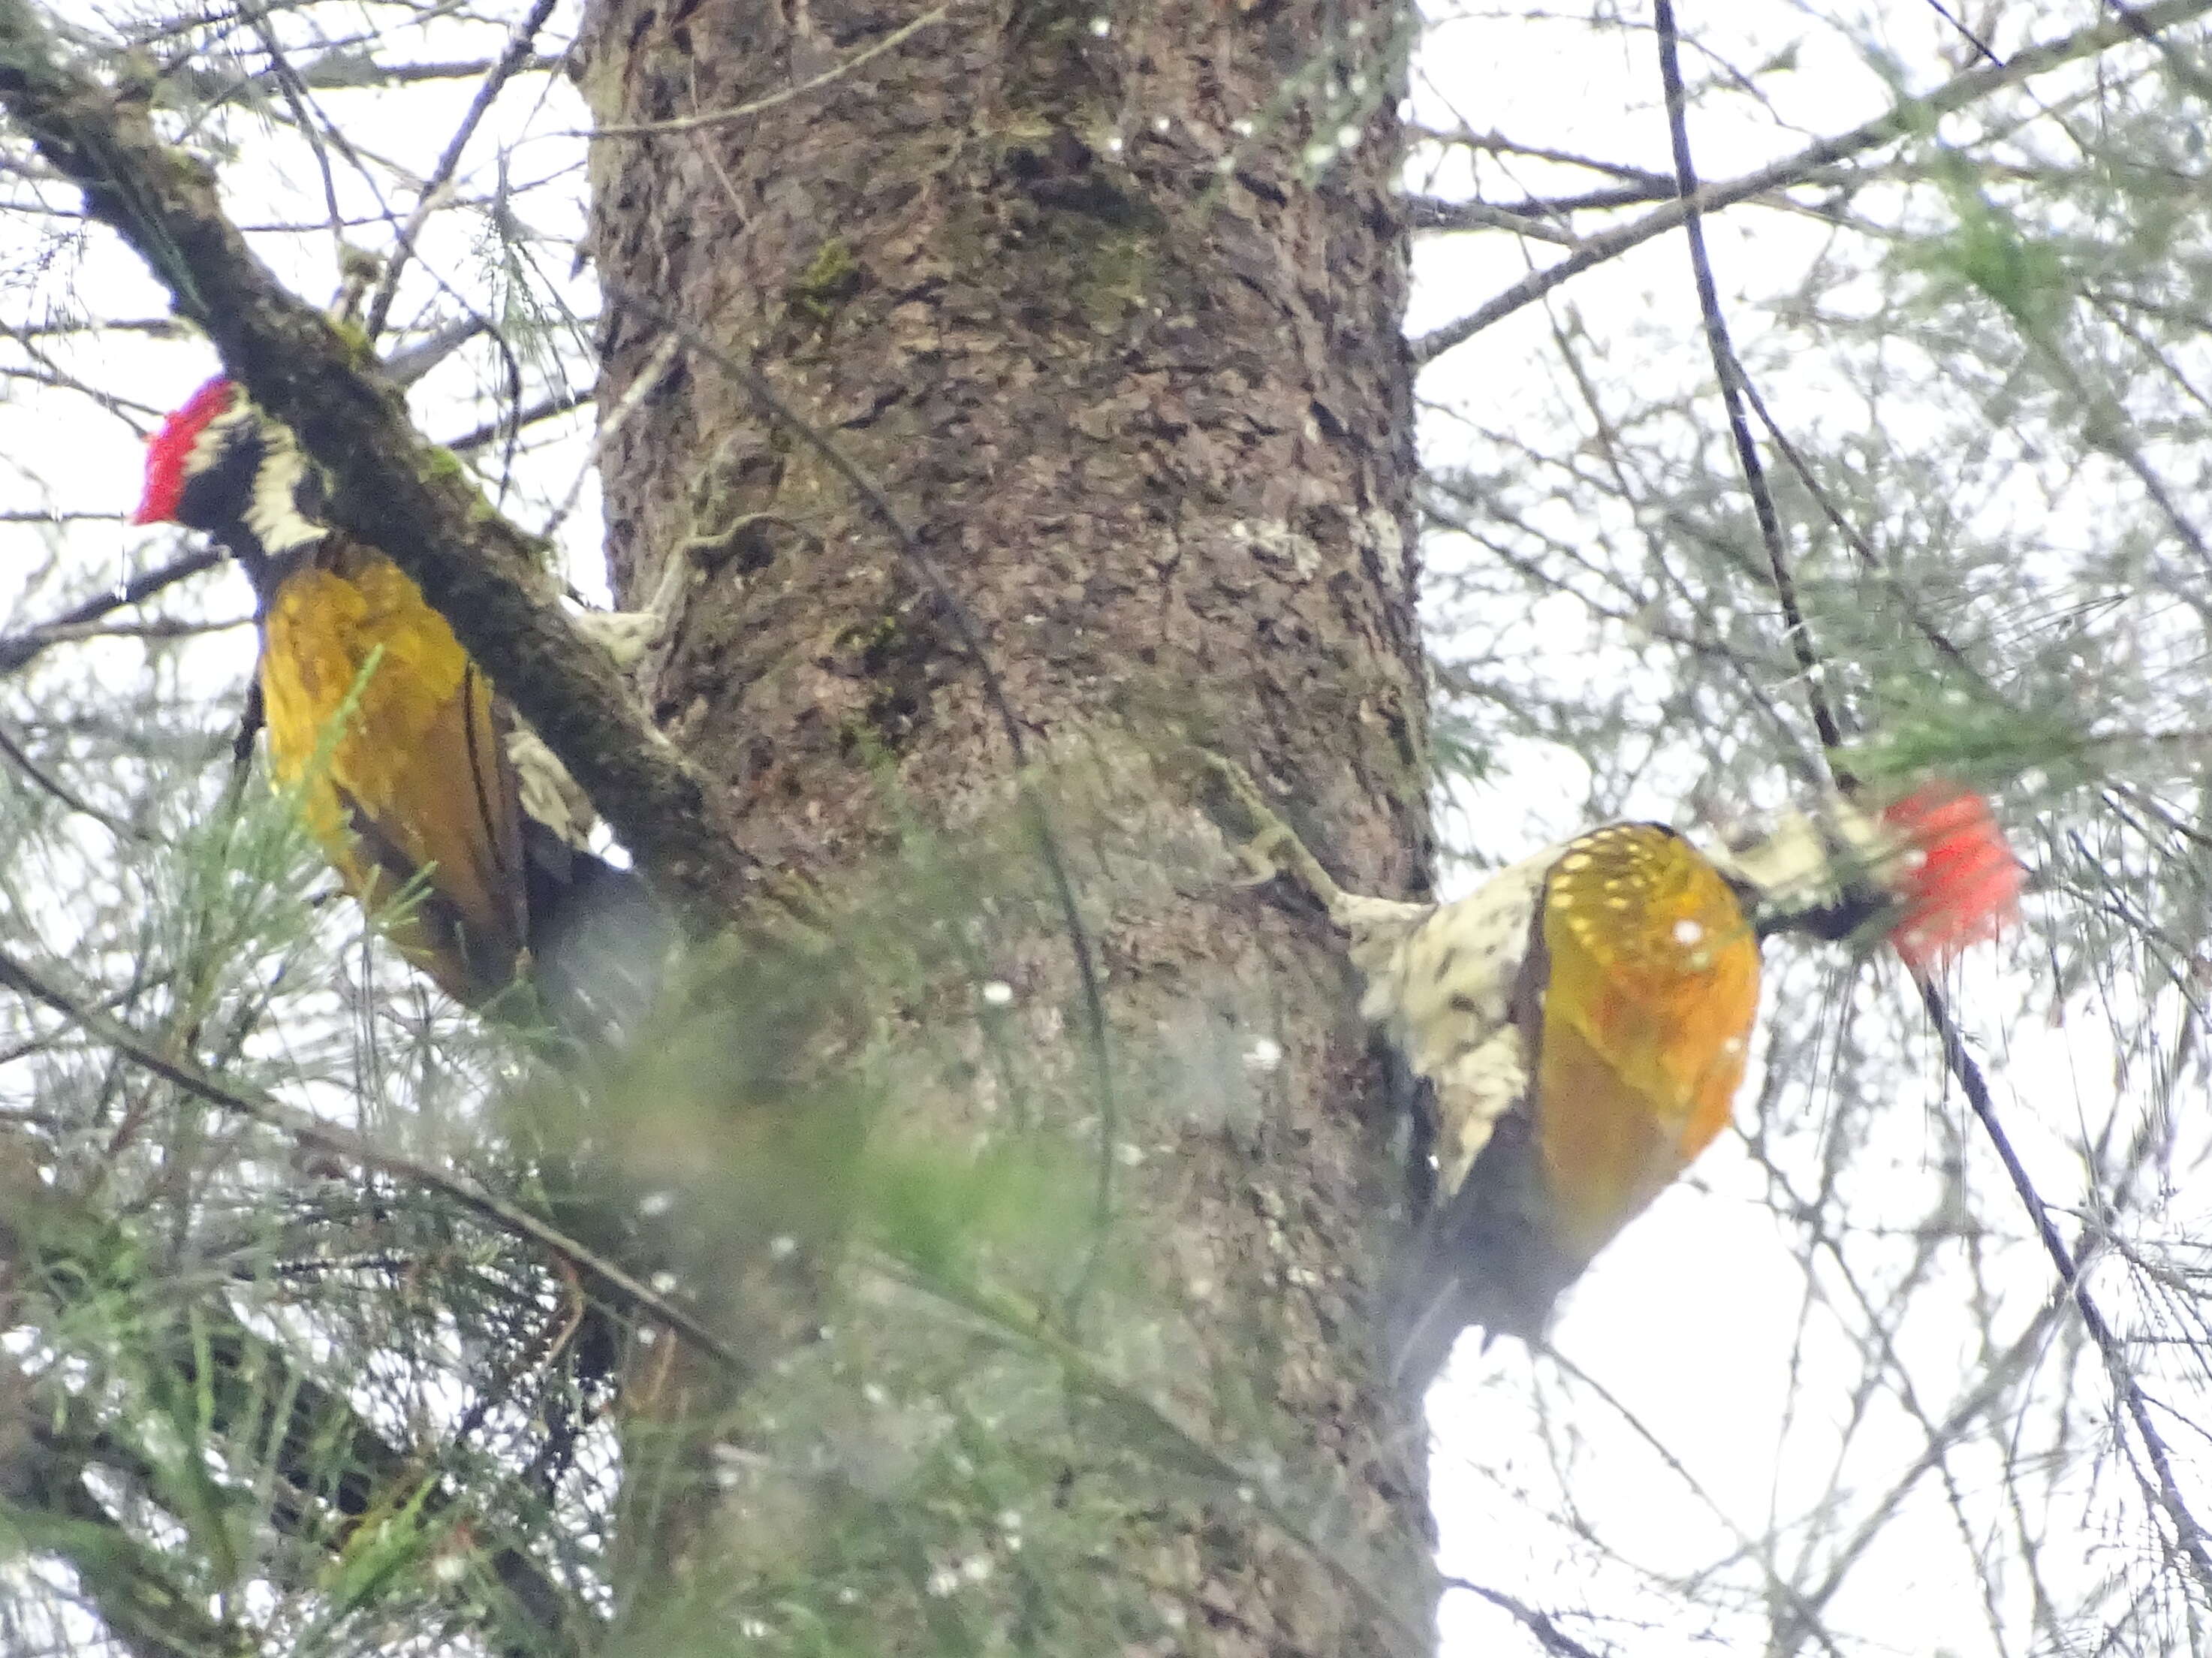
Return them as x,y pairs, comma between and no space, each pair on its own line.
1270,847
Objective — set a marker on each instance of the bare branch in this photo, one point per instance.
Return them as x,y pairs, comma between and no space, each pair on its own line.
2188,1535
1809,665
511,63
17,650
48,783
1429,213
1913,116
1548,1635
545,409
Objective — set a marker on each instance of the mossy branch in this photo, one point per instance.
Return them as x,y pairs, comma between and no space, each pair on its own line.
388,487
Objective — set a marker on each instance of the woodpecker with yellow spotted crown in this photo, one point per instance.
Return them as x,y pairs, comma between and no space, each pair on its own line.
1581,1022
443,813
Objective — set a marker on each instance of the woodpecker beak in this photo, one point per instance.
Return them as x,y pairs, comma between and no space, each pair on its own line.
1957,880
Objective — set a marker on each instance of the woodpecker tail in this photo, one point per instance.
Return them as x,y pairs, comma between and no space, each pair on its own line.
1488,1254
599,940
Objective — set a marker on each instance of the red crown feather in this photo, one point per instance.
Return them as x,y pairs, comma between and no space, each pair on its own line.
1957,880
169,451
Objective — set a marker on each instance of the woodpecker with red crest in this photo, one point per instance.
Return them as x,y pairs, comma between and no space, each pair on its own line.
444,814
1581,1021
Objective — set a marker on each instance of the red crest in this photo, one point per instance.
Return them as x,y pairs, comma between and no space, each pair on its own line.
1959,883
169,451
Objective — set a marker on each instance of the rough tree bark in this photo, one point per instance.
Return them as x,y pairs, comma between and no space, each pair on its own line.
1076,286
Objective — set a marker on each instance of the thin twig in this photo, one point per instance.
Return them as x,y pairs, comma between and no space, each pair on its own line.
1970,38
511,62
2184,71
296,94
1833,511
543,409
1981,1399
1909,117
17,650
2188,1533
41,778
309,1130
611,424
1809,665
410,363
1495,143
159,628
344,68
1549,1636
1762,1553
1429,213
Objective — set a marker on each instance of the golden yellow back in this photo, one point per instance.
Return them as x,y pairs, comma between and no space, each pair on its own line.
416,781
1648,1000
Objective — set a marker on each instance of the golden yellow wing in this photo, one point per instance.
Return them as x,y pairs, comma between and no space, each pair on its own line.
1631,999
414,781
1652,987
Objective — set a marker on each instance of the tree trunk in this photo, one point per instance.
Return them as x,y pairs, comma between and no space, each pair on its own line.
1106,303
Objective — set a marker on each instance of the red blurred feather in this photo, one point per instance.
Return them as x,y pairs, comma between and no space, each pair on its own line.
1965,884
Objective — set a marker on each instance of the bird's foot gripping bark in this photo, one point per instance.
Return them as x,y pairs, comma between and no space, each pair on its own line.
632,637
1259,838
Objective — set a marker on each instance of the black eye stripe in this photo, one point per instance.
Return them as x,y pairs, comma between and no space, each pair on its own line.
216,497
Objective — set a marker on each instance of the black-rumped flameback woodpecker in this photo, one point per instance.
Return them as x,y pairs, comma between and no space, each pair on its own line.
443,813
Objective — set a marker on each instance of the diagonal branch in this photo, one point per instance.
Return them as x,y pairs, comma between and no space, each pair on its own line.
517,56
2189,1534
309,1130
481,571
48,783
1548,1635
1911,116
17,650
334,1468
1730,375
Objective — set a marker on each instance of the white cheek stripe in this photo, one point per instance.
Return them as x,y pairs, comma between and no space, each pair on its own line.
272,512
214,438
